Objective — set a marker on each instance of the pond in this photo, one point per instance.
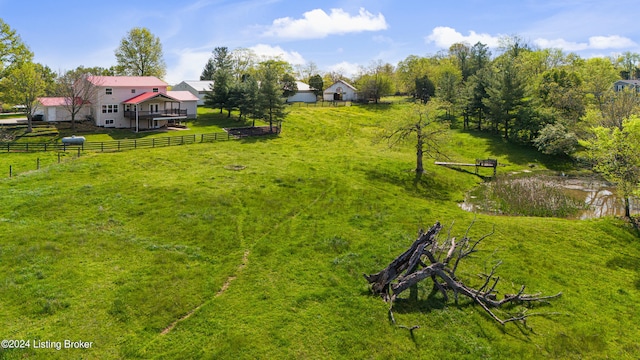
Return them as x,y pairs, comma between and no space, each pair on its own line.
599,198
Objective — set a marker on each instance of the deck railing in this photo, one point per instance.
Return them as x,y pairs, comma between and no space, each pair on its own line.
130,114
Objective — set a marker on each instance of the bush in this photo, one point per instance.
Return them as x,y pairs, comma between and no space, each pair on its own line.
555,139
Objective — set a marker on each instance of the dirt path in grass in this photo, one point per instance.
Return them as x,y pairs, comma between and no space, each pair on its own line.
243,264
225,286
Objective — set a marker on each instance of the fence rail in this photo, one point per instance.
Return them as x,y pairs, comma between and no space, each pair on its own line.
320,104
119,145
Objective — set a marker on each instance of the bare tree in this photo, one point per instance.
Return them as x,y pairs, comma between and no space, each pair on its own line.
430,132
305,71
438,260
243,61
78,88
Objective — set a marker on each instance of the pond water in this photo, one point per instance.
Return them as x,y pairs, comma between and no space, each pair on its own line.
600,197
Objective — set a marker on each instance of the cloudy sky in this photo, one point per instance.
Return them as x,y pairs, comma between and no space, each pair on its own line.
335,35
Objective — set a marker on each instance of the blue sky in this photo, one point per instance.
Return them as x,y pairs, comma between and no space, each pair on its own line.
335,35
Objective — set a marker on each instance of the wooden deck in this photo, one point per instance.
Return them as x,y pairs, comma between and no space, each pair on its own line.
492,163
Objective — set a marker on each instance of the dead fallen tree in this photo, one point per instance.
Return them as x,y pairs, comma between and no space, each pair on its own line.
428,258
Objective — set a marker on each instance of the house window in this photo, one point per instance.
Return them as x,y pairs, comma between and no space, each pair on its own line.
133,91
108,91
108,122
155,89
109,109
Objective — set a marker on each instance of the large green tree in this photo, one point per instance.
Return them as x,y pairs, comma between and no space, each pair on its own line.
425,89
473,97
289,85
598,76
218,97
562,92
209,70
247,98
140,54
223,81
317,84
505,95
615,153
271,101
23,85
12,49
376,81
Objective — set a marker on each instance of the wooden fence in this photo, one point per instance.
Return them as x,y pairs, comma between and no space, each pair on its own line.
119,145
320,104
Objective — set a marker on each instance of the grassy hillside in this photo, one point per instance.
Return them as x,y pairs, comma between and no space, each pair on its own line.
256,249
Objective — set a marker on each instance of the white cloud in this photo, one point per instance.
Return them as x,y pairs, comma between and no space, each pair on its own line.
345,68
610,42
268,51
444,37
188,65
317,24
595,43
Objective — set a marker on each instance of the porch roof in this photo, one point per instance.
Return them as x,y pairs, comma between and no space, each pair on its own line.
147,96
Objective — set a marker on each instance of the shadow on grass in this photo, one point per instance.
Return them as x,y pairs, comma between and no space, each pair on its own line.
424,185
220,120
258,139
520,154
408,306
484,178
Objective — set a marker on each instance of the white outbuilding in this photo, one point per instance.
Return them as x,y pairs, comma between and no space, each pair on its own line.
197,87
340,91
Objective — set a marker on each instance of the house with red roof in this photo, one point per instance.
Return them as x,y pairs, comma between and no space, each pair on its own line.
134,102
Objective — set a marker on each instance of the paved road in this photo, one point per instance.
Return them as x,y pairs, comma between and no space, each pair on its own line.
13,121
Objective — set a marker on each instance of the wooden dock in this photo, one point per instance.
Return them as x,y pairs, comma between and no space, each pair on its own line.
492,163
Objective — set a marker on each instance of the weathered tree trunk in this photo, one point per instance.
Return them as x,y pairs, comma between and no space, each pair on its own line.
627,207
439,262
419,151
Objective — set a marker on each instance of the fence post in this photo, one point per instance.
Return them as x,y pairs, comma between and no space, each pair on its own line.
201,138
153,142
135,143
38,163
10,170
45,147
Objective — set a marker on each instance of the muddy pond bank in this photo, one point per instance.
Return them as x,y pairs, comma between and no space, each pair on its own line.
588,196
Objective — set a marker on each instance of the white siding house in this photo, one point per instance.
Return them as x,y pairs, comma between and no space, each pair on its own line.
622,84
197,87
304,94
135,102
54,109
340,91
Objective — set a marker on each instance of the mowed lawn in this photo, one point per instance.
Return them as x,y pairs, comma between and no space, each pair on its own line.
255,249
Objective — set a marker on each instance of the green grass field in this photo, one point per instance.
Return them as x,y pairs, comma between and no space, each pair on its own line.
255,249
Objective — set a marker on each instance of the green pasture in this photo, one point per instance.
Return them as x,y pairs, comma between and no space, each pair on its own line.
255,249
